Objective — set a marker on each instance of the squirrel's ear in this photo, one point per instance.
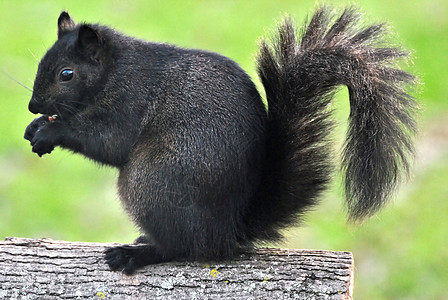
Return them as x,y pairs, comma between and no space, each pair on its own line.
65,23
89,41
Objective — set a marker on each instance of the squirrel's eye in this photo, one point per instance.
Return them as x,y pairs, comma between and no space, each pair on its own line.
66,75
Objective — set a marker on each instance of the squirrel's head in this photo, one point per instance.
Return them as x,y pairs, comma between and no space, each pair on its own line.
69,75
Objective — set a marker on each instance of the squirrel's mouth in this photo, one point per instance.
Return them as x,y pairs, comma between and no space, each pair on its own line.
39,106
47,108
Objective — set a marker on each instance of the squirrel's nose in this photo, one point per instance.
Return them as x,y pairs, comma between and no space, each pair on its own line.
34,106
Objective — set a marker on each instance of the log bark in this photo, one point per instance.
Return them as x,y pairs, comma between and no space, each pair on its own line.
48,269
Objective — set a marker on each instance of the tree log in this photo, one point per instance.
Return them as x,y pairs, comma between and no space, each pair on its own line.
48,269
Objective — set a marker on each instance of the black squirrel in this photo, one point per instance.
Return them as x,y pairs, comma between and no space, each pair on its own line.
205,170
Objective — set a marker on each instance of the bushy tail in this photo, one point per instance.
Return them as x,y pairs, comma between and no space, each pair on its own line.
299,75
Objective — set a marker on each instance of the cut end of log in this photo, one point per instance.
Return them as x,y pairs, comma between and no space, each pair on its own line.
49,269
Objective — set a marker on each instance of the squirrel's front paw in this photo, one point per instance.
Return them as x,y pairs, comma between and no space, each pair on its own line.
41,144
46,138
37,123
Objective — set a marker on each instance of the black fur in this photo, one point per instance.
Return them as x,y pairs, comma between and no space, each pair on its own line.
204,169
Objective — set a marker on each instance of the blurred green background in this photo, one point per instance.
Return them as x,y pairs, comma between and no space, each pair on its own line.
401,253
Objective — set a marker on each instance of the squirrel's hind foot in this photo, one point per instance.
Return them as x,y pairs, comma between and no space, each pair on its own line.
130,258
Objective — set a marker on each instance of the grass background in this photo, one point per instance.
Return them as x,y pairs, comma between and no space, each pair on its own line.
400,253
